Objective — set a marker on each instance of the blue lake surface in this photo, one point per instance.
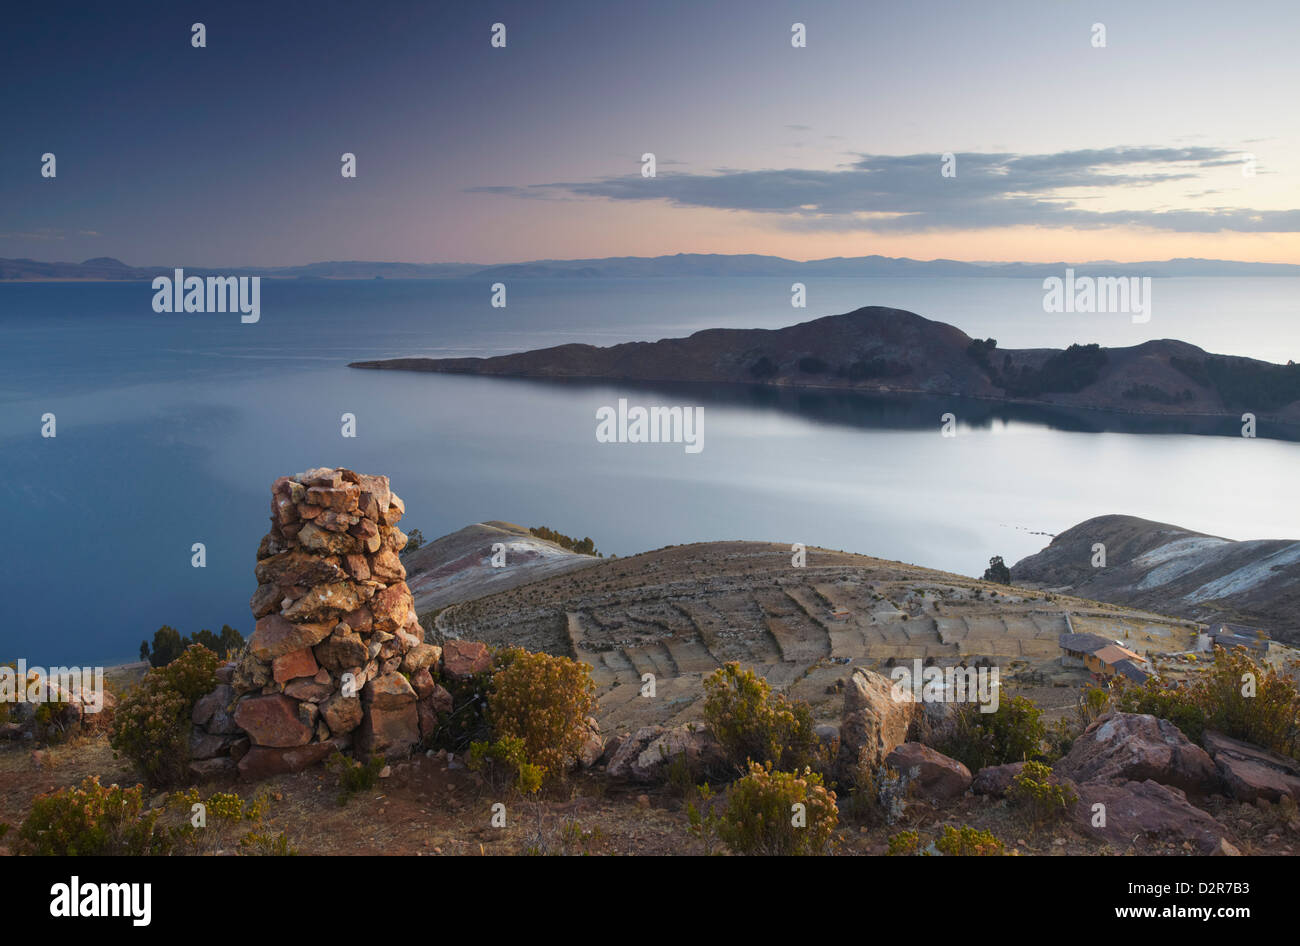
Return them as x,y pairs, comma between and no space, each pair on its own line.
170,429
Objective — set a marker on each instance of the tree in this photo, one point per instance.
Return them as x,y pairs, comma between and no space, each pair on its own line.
997,571
414,539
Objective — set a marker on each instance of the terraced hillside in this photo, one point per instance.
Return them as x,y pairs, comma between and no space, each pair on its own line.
680,612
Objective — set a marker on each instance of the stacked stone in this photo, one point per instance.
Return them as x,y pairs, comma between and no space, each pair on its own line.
337,647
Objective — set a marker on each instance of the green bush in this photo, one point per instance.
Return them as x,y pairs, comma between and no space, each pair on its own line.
152,724
225,814
966,841
761,815
92,820
505,762
753,724
168,644
1013,733
354,776
1039,796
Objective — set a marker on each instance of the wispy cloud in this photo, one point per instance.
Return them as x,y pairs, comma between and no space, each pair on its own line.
907,193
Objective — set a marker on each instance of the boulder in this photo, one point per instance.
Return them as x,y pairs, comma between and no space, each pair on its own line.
206,770
297,567
316,539
262,762
338,652
323,600
1132,747
389,691
462,659
995,780
593,745
421,657
389,732
207,705
295,664
1148,811
273,637
1249,772
208,745
391,607
931,775
873,722
272,721
647,755
341,714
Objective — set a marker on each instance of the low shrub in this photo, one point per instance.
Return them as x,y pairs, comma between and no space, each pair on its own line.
152,724
1043,800
1013,733
505,764
355,776
92,820
543,701
966,841
778,813
753,724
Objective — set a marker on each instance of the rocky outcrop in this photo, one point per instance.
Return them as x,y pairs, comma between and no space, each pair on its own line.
647,754
1250,773
1127,813
1123,747
873,722
931,775
335,640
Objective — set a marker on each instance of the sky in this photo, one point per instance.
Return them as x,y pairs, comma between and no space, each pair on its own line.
1177,138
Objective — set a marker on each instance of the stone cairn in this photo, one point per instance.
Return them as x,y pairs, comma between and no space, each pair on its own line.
338,659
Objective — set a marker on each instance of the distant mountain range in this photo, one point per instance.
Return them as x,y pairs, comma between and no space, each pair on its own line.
682,264
890,351
1171,570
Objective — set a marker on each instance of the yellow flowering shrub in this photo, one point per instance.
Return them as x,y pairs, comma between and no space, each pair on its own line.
544,701
152,724
778,813
753,724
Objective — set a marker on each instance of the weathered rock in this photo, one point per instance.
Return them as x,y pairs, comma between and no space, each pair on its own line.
263,762
391,607
208,704
995,780
313,537
308,690
1124,747
221,768
647,755
462,659
342,498
323,600
295,664
357,567
338,652
931,775
422,683
421,656
389,691
342,714
393,514
1147,810
226,672
386,566
265,600
272,721
873,722
208,746
250,673
593,745
273,637
297,568
1249,772
389,732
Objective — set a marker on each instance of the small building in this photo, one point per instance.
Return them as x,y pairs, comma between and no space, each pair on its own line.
840,614
1104,657
1231,636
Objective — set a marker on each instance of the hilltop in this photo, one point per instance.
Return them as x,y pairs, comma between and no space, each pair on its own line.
1185,573
892,351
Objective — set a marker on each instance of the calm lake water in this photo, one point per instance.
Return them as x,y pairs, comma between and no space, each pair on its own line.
172,427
